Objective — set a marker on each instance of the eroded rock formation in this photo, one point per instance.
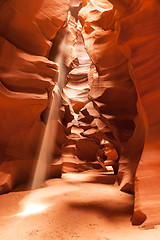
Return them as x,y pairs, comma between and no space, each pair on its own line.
110,101
27,79
112,90
140,44
130,47
84,148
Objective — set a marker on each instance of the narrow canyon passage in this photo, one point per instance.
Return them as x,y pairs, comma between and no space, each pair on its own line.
87,145
103,163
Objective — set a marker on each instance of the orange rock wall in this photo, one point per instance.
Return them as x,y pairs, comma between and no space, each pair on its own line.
26,80
79,151
114,94
140,44
130,47
112,90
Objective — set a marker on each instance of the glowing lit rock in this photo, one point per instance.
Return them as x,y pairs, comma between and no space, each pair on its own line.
111,88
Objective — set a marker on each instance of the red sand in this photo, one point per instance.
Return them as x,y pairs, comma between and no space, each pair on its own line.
77,210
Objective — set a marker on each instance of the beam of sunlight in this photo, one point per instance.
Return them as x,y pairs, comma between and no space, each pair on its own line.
48,142
32,208
38,200
34,203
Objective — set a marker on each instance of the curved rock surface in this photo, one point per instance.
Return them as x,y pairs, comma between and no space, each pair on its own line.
125,39
30,25
111,96
79,151
27,77
85,131
112,91
139,41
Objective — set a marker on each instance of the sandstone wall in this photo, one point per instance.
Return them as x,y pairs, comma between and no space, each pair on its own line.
122,41
27,78
112,90
139,41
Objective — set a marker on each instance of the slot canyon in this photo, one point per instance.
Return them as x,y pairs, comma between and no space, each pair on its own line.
79,119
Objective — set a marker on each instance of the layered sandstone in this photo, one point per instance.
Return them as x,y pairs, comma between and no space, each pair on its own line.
112,91
110,100
125,38
140,44
27,29
84,148
79,151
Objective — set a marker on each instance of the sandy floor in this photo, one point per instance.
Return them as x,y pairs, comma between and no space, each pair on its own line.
75,210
